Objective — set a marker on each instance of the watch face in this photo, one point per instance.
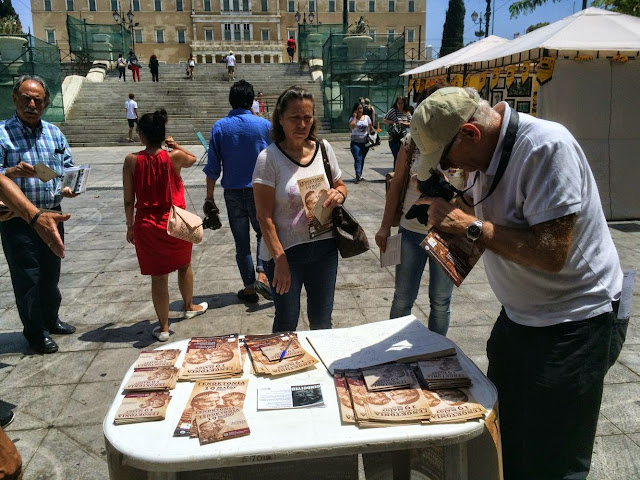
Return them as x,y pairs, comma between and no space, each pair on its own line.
474,231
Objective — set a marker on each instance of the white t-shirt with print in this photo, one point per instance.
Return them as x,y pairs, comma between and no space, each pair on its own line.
274,169
359,132
131,107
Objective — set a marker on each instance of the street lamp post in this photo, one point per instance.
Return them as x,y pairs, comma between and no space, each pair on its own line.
474,18
126,23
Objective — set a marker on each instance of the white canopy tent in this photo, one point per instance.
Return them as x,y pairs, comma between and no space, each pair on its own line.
595,97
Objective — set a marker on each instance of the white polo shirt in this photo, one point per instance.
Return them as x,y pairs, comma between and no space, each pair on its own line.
548,177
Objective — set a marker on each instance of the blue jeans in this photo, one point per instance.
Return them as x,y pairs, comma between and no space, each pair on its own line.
314,265
241,209
359,152
408,275
395,145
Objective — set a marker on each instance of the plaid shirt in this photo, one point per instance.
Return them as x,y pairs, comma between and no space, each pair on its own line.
18,143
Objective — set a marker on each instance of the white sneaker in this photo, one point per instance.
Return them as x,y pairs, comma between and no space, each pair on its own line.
194,313
161,336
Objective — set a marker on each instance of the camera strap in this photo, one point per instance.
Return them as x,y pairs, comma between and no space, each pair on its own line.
507,148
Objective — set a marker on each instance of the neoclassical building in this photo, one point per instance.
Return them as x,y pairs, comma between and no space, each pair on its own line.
255,30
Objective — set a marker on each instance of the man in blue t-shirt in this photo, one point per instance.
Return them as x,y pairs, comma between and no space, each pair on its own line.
235,143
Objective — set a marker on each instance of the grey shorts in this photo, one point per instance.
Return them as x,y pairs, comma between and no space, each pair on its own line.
132,122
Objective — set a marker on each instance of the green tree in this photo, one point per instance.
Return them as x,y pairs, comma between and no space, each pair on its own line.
537,26
453,31
9,20
629,7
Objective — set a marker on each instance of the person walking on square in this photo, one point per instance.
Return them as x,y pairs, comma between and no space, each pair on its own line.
191,66
398,119
154,66
291,48
293,258
551,263
131,106
151,179
231,66
360,126
134,65
121,63
25,141
234,145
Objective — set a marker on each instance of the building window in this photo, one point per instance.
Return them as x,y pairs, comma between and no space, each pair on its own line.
391,35
245,5
264,35
312,5
138,36
114,5
157,5
47,5
392,5
372,5
182,36
225,6
136,5
292,32
246,32
236,32
207,5
411,35
69,5
227,31
159,36
412,6
92,5
236,5
51,36
264,5
332,5
352,5
208,35
179,7
291,6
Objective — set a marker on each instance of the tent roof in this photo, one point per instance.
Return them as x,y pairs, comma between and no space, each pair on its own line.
459,56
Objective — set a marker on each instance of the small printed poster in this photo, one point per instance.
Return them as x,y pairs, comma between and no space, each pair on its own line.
311,189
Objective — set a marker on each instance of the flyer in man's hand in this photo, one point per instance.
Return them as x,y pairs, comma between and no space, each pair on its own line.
455,254
76,178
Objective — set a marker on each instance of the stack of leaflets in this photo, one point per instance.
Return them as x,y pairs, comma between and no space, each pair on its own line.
210,395
209,358
277,354
76,178
152,378
142,407
444,372
223,423
453,405
157,358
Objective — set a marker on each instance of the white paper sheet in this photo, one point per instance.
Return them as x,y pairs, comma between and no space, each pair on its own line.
392,255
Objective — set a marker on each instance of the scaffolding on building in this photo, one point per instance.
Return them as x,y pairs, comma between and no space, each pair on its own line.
92,41
28,55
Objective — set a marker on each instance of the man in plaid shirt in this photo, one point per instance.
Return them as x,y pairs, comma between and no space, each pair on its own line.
25,141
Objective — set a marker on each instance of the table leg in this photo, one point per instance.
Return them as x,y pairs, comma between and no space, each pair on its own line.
455,462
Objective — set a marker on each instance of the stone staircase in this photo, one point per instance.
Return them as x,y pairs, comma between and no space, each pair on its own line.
98,117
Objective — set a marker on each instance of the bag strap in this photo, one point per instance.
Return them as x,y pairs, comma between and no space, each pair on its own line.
169,167
325,161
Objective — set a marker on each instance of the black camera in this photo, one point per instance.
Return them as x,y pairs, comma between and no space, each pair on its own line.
212,216
435,187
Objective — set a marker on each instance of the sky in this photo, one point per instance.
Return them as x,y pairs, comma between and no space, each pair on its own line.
436,10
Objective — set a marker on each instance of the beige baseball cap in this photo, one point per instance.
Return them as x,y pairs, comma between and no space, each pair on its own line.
437,120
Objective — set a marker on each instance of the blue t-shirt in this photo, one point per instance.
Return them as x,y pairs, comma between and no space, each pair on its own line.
234,145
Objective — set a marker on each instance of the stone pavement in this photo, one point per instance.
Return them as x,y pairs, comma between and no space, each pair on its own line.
60,400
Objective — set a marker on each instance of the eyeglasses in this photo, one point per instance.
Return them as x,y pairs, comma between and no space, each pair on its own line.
445,152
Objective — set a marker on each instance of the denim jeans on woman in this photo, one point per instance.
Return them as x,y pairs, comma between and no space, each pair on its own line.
394,146
241,209
314,265
408,276
359,152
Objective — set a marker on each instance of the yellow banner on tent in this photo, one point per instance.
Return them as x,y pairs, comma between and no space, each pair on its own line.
511,75
456,80
534,100
495,75
583,58
483,80
473,81
417,84
431,82
619,58
411,84
526,66
545,70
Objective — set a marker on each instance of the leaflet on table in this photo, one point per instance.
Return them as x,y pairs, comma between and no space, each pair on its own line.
450,405
142,407
311,189
152,378
276,397
212,357
76,178
157,358
392,254
218,424
455,254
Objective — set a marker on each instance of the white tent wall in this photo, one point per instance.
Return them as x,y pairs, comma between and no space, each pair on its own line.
598,101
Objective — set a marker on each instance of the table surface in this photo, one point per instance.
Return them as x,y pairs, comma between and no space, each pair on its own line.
279,435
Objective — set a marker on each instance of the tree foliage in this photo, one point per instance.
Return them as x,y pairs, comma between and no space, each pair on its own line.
536,26
453,31
9,20
629,7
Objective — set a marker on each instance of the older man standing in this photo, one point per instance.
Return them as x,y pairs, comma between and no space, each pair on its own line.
25,141
235,143
550,261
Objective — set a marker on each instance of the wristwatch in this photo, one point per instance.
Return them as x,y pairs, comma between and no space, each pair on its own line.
474,230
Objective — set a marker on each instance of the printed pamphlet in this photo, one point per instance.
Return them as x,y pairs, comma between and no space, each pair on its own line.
142,407
76,178
277,397
311,189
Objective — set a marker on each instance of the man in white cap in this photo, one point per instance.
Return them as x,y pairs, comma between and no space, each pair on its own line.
550,261
231,66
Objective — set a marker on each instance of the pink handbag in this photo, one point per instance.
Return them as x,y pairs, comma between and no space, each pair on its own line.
182,224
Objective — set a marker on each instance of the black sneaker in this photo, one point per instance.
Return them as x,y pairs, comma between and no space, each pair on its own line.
263,289
6,418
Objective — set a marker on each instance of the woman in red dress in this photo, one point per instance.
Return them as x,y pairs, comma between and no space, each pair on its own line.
151,178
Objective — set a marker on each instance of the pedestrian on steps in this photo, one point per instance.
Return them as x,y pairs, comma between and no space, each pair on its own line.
191,65
132,113
154,66
231,66
134,65
121,63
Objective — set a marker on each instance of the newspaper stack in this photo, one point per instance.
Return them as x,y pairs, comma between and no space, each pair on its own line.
388,377
207,395
142,407
157,358
216,424
277,354
453,405
152,378
444,372
388,407
210,358
347,414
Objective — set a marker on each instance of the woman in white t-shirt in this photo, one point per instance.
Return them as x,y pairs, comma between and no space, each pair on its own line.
191,65
294,250
360,125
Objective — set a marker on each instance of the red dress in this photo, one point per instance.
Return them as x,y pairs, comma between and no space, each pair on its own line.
158,253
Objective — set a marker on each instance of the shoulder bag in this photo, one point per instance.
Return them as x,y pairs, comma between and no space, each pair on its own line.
350,236
182,224
397,214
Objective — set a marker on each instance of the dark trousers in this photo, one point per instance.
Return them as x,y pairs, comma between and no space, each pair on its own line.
154,76
549,382
122,74
35,272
